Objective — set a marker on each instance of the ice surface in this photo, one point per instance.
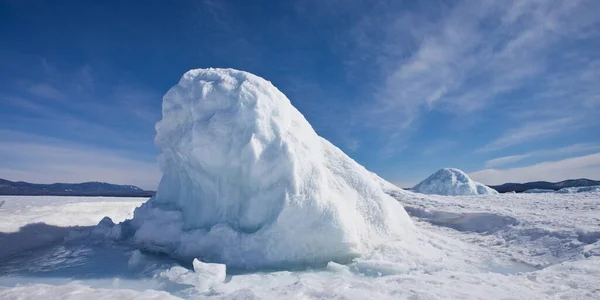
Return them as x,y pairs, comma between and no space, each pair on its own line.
552,251
581,189
451,182
538,191
536,229
31,222
63,211
75,291
248,182
569,190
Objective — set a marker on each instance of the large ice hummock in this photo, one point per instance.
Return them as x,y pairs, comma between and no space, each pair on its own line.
247,181
451,182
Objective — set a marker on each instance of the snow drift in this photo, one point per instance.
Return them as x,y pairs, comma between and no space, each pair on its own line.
451,182
247,182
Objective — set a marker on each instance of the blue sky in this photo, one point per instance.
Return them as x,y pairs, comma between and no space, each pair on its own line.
505,90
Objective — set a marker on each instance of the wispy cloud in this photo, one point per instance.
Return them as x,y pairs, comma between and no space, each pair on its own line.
529,132
353,145
506,160
137,100
47,160
110,119
439,146
45,90
464,57
500,161
85,107
587,166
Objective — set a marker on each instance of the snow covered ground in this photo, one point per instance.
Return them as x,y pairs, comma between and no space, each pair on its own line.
507,246
536,229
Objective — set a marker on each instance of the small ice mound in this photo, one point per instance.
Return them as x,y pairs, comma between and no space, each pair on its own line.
247,182
451,182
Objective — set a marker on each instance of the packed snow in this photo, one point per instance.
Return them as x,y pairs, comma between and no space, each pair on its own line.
253,204
451,182
247,182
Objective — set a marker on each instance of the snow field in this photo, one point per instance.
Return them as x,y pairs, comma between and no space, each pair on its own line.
446,263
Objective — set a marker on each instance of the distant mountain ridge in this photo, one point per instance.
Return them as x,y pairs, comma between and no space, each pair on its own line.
22,188
544,185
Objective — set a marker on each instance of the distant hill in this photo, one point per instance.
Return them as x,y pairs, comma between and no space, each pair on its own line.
544,185
8,187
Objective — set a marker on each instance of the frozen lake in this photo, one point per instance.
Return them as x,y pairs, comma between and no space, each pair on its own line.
508,246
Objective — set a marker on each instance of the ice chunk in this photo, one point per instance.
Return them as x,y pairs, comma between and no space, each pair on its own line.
337,268
451,182
248,182
209,274
203,278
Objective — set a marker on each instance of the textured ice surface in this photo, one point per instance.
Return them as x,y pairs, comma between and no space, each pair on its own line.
581,189
538,191
466,249
248,182
451,182
63,211
536,229
32,222
76,291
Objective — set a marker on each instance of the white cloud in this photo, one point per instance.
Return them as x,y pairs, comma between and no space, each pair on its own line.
463,57
45,160
137,100
439,146
505,160
353,145
587,166
45,90
496,162
529,132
